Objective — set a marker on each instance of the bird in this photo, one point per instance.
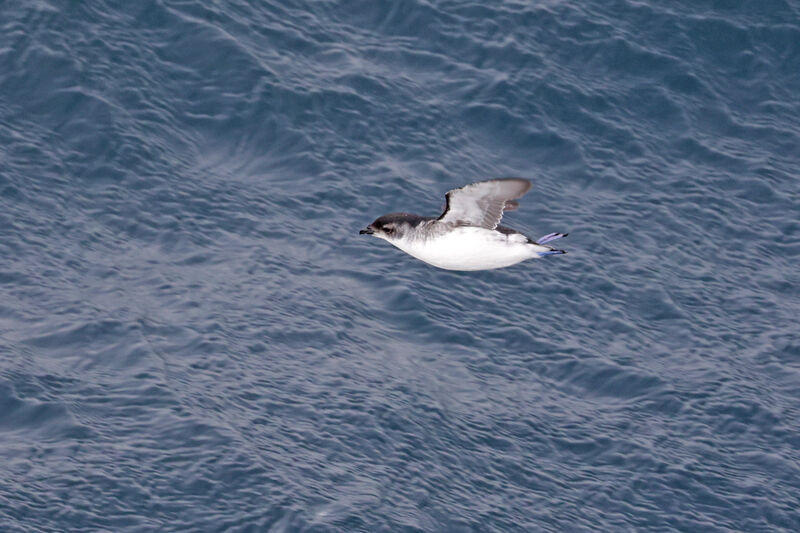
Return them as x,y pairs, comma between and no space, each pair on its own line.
467,235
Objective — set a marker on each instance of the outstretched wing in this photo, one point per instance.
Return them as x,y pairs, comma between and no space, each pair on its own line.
482,204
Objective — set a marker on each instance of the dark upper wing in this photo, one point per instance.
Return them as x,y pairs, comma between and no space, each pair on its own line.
481,204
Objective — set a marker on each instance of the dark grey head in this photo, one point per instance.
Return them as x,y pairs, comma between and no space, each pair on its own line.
394,225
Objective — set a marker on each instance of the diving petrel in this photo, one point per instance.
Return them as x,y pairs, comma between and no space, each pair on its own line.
467,235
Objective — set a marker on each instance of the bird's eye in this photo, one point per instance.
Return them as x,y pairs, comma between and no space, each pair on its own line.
388,229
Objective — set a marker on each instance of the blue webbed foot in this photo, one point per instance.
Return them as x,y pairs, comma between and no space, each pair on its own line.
550,237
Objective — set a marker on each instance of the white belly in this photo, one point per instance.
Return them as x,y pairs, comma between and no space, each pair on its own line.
471,248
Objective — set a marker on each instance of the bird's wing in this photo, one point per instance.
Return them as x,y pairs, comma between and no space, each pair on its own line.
482,204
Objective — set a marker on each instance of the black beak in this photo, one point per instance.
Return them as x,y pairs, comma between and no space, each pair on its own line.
367,231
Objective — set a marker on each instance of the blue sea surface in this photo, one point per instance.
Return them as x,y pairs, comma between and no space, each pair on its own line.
194,337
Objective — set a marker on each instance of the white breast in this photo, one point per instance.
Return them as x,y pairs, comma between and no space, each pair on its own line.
471,248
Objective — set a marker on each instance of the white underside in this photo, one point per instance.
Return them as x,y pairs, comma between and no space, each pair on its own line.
471,248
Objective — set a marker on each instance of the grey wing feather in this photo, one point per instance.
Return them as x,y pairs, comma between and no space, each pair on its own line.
482,204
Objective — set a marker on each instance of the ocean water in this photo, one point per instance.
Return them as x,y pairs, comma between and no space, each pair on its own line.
194,337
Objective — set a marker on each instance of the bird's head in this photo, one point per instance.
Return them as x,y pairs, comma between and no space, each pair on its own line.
391,227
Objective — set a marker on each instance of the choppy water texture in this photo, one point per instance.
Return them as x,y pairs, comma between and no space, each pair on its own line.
193,336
